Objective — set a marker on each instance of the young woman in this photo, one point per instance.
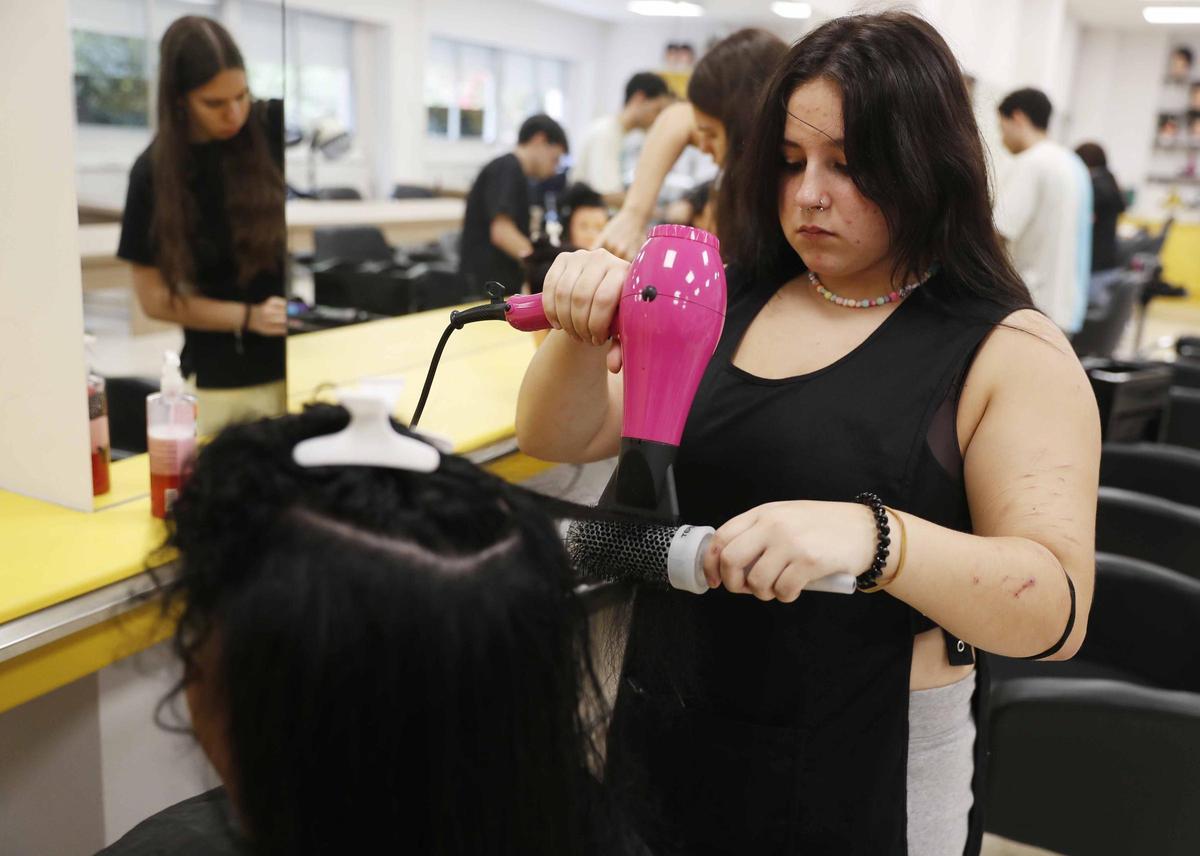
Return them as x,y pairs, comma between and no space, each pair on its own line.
204,224
878,340
722,92
377,661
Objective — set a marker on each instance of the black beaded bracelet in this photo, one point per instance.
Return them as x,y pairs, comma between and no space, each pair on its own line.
867,580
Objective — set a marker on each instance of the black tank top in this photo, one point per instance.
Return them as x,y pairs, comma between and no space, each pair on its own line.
766,728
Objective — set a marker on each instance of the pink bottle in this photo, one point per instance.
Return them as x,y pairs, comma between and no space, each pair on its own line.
669,321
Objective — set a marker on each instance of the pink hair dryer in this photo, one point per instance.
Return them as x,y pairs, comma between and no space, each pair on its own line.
669,320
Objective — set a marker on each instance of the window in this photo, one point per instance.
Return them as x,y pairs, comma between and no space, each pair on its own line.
115,45
480,93
322,89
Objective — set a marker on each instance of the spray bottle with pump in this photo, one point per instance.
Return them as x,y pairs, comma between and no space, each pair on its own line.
170,435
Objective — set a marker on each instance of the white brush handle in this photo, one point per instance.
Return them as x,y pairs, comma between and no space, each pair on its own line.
685,565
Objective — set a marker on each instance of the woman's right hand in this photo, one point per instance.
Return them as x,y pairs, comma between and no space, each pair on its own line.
268,318
580,297
625,233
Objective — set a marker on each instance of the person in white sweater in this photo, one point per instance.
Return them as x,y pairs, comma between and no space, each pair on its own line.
1044,210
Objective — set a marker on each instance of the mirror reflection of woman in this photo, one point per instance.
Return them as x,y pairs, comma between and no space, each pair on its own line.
204,227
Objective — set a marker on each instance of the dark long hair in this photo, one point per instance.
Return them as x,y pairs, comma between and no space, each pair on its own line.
401,655
912,148
193,51
728,81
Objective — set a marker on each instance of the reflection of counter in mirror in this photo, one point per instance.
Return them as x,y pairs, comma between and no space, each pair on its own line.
402,221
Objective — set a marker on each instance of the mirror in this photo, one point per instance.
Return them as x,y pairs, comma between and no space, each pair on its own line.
180,181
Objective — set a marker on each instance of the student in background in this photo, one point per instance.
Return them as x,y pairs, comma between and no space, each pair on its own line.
1107,206
723,94
598,163
1044,210
203,224
496,226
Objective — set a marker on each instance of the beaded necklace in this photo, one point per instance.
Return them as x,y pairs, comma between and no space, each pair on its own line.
867,303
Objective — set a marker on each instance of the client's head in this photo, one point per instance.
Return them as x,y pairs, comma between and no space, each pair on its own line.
378,660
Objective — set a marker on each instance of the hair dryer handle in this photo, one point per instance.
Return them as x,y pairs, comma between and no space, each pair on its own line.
524,312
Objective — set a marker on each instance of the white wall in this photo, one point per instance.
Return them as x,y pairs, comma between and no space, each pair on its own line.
87,762
43,412
530,28
1118,76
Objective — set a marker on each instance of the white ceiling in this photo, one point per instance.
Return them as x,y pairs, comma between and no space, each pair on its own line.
1116,14
720,10
1121,14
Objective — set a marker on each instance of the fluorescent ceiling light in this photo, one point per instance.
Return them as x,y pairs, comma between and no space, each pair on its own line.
1172,14
668,8
792,10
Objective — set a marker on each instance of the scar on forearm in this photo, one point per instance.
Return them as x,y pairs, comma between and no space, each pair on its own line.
1028,584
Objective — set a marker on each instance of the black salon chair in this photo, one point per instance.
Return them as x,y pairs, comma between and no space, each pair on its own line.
1103,326
1157,469
1185,371
1181,422
351,244
412,191
127,414
380,292
1141,630
436,285
355,267
1094,768
1142,244
1149,528
338,193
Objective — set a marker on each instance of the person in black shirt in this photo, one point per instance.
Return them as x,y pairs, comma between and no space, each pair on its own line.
203,224
1107,206
496,226
878,347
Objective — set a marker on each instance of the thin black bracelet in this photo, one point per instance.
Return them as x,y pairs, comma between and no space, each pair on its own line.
867,580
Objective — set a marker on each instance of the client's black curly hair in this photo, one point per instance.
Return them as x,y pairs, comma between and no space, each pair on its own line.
400,654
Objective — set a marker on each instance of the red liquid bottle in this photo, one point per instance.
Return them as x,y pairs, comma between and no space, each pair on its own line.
98,428
170,436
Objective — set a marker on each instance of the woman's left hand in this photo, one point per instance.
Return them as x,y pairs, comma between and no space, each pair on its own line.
775,550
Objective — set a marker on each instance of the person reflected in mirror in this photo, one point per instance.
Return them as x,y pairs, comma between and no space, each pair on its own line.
598,163
723,93
583,214
496,223
203,224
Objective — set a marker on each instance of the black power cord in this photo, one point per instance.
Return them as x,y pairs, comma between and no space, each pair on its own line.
494,310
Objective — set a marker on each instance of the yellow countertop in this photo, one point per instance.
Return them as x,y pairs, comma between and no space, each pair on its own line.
52,554
1180,253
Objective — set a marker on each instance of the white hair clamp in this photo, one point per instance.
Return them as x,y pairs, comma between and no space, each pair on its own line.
370,440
